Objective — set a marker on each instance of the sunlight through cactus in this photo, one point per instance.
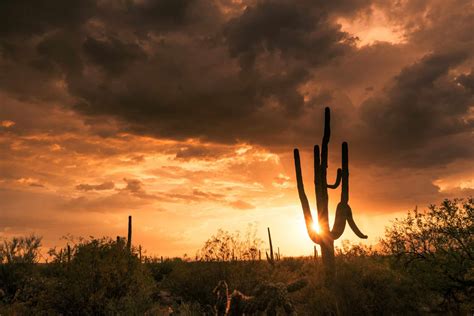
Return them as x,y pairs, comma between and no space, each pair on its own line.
325,236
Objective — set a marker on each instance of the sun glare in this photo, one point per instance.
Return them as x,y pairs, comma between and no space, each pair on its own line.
316,228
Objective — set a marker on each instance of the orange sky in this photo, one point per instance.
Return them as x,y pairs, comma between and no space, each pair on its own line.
72,164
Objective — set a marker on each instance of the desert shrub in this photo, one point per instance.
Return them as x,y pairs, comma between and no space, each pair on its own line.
20,250
226,246
160,269
364,285
367,285
102,278
436,248
18,257
194,281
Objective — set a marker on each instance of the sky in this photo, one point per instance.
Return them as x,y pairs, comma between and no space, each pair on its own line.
185,113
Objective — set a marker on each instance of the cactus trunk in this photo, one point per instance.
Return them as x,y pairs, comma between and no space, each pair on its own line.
327,236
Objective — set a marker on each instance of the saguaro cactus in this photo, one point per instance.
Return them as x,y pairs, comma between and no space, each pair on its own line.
68,254
325,238
270,258
129,237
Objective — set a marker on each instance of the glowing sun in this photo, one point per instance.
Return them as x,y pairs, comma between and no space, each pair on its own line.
315,227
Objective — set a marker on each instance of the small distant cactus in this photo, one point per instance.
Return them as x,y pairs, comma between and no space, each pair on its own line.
68,254
327,236
129,236
270,258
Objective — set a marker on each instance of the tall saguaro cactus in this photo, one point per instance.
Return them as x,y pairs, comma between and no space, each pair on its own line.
325,238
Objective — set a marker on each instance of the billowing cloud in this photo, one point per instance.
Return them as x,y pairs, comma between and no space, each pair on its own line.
425,105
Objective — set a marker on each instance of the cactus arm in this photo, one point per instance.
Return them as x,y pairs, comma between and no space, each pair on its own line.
326,136
353,225
338,180
339,221
345,174
308,218
345,191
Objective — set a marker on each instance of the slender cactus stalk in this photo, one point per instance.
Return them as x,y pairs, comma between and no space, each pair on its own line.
327,236
68,254
129,238
270,258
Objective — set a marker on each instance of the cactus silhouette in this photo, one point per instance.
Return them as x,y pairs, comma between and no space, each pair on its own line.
325,238
129,236
68,253
270,258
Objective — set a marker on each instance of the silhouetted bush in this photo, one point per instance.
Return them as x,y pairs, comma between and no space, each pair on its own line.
159,269
18,270
436,249
102,278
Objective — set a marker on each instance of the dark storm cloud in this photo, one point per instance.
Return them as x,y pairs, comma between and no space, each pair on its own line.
26,18
296,31
112,54
179,69
207,86
423,117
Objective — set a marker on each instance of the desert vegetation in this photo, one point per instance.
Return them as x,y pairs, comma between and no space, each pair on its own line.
424,264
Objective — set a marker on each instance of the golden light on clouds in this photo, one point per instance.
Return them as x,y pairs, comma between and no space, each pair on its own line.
372,28
7,123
